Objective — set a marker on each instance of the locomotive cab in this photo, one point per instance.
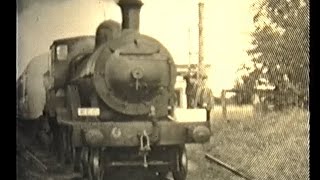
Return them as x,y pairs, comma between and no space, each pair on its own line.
62,52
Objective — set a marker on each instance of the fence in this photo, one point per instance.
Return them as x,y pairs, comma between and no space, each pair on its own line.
229,109
258,102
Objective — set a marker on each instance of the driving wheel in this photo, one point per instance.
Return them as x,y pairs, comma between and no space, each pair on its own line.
181,164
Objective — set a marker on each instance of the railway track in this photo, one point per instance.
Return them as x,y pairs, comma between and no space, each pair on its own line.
55,171
42,164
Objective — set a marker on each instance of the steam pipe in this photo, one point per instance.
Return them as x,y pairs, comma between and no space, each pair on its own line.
130,10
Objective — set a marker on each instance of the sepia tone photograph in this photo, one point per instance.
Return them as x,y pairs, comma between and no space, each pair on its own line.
162,89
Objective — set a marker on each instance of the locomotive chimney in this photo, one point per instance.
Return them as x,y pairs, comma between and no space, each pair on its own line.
130,10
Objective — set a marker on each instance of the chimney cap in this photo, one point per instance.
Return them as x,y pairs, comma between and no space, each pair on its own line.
130,2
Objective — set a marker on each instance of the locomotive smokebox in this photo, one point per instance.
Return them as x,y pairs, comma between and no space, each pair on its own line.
130,10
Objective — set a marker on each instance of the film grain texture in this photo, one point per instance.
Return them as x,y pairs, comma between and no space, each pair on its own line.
159,90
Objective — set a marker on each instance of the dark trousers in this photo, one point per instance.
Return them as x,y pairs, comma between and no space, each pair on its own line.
190,102
208,114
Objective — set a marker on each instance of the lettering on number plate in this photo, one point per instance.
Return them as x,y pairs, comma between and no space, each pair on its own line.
88,111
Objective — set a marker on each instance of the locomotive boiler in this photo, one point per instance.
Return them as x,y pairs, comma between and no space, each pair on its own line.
30,89
111,106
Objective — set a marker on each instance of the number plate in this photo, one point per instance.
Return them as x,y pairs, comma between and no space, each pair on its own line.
88,111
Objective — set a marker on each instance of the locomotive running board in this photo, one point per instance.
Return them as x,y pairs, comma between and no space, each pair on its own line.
121,134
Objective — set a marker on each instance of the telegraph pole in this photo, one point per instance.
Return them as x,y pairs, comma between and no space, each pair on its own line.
201,71
189,41
201,43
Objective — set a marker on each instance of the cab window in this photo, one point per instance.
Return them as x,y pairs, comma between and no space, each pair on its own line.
62,52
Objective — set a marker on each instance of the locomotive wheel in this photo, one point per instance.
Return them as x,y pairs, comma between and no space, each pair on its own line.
65,149
56,143
61,145
181,164
69,150
93,168
84,165
77,166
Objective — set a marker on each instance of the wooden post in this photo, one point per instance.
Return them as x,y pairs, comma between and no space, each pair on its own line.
223,104
201,42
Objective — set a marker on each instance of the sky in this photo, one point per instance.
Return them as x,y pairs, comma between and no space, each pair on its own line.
227,28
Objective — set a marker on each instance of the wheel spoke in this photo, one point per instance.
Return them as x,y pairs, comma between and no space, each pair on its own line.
181,165
85,162
93,167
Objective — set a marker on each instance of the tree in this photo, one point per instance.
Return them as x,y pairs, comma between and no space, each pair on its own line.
243,94
281,45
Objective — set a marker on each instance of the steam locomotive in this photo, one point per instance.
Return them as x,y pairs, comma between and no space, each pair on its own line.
111,104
